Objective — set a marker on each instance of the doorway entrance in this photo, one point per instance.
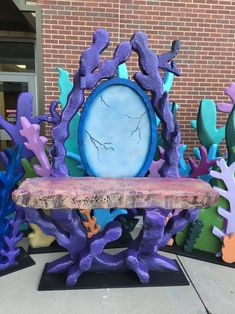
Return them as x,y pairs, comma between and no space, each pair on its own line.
11,85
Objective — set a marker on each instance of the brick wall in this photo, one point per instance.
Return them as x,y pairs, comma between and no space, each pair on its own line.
206,29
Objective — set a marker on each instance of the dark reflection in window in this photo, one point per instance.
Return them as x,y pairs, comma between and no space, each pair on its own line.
17,57
9,92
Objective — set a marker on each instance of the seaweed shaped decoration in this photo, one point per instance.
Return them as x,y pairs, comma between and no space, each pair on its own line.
90,223
24,109
150,79
29,171
207,131
227,107
227,176
37,144
194,231
9,227
90,72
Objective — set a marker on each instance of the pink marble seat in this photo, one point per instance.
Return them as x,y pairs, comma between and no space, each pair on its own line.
89,193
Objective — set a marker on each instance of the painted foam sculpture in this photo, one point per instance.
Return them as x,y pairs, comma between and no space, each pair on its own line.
207,131
65,226
227,107
142,254
37,144
10,233
24,109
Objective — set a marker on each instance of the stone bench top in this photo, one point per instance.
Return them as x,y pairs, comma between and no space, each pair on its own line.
90,192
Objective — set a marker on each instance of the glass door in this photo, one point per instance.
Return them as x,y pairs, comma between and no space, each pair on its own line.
11,85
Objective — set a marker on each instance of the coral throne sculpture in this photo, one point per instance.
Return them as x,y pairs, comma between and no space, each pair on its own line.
103,155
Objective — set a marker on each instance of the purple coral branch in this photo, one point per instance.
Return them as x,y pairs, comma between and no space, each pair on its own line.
230,91
156,165
11,252
37,145
95,247
224,107
150,79
87,254
84,78
65,226
172,136
177,223
54,116
227,107
204,165
165,62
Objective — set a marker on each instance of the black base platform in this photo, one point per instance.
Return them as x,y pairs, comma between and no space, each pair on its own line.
119,244
24,261
196,254
102,280
53,248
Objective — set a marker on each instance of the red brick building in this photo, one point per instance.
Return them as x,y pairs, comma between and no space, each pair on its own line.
206,29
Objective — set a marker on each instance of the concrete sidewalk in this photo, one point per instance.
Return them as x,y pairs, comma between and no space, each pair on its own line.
211,290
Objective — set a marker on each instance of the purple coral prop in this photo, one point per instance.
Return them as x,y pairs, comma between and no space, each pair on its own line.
9,228
150,79
24,109
227,107
204,165
156,165
37,145
85,78
87,254
8,255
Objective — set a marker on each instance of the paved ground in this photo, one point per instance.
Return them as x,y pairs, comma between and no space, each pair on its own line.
211,290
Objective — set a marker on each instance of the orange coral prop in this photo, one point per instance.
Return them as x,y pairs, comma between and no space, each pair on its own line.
228,248
90,223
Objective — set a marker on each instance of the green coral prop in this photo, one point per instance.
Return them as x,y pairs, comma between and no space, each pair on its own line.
194,232
28,169
206,241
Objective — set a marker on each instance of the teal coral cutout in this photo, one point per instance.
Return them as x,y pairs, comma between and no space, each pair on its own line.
168,82
207,131
122,71
106,215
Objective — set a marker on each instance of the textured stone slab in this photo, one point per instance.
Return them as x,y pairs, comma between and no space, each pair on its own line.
89,193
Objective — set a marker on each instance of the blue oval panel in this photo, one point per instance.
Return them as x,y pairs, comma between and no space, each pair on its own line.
117,130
